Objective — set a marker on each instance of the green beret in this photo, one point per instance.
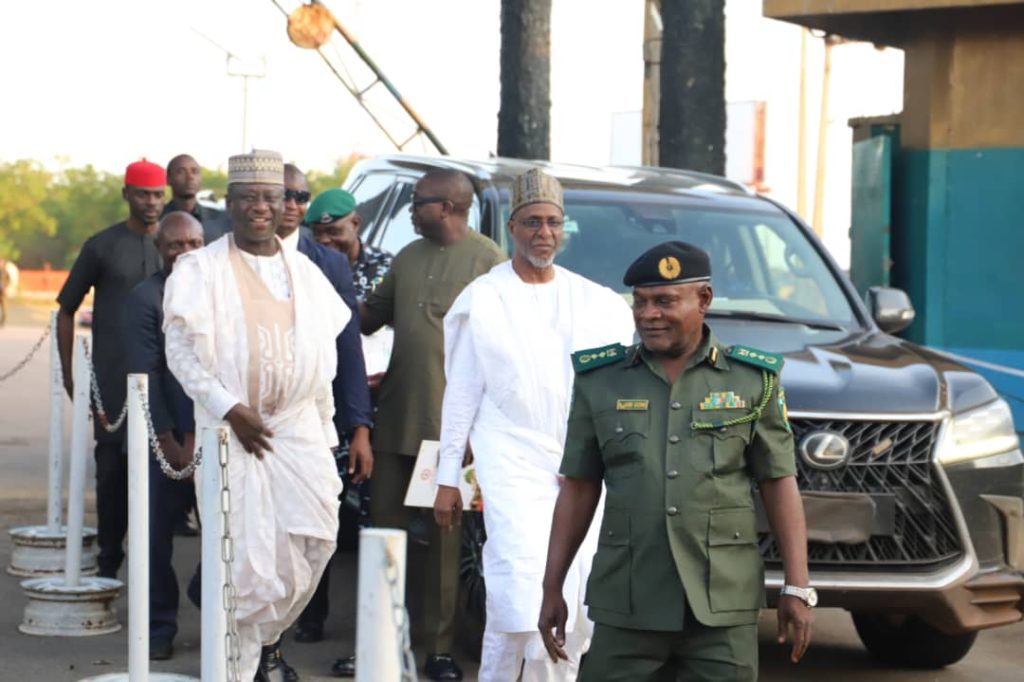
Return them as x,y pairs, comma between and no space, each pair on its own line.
669,263
329,206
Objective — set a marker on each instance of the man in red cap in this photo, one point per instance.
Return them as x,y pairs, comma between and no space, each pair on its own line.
112,262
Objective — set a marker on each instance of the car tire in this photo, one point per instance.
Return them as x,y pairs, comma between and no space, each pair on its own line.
909,642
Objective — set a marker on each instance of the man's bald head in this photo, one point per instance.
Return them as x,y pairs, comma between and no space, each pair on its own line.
292,174
451,184
178,233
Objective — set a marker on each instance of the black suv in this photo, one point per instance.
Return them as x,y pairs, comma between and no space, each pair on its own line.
910,469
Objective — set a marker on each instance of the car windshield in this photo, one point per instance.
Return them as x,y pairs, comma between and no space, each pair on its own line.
762,265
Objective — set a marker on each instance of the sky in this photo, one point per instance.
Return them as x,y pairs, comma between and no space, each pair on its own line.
109,81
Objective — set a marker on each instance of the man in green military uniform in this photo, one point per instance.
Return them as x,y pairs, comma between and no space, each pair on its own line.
677,428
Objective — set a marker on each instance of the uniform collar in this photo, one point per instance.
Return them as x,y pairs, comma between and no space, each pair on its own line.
710,351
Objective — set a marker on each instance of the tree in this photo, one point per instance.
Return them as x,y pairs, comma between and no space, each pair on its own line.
692,115
23,187
81,202
320,181
524,119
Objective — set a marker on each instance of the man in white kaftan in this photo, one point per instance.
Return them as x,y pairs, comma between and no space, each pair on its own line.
508,341
251,329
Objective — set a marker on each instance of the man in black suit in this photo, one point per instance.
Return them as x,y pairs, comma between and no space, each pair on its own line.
172,416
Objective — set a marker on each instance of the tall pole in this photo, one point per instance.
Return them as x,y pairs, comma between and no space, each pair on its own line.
245,114
818,223
55,459
801,145
652,82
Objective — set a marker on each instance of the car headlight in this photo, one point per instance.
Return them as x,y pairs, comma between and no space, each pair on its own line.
981,432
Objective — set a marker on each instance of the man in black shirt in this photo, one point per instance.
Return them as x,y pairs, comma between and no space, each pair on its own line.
186,179
112,262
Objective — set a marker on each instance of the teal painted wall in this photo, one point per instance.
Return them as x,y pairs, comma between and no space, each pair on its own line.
958,245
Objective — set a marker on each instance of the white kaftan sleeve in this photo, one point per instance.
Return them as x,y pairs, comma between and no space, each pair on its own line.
188,320
462,396
325,407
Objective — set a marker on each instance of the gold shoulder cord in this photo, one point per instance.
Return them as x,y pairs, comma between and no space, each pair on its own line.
767,383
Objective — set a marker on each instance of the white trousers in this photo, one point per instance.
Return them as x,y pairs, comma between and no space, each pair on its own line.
506,655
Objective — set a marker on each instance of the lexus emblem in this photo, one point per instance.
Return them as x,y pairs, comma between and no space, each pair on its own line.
825,450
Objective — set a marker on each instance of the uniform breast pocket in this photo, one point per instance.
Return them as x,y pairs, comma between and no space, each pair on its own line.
721,451
622,436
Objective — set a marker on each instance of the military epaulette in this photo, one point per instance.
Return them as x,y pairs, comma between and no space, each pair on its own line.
585,360
759,358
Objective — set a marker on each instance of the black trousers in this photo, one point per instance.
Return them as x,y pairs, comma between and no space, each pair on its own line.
169,500
111,505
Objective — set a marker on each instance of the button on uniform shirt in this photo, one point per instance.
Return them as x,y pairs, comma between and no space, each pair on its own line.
679,527
370,268
112,261
414,296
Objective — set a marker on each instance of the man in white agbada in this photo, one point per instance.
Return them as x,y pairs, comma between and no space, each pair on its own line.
508,340
251,330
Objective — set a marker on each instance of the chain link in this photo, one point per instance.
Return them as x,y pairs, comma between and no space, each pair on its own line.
154,442
101,413
232,645
400,617
35,349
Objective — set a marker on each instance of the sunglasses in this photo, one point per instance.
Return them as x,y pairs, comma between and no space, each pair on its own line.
297,196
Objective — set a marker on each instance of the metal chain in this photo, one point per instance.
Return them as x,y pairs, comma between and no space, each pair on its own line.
101,413
232,645
35,349
400,616
161,458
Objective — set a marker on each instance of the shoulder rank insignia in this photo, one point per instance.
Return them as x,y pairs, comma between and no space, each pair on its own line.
759,358
586,360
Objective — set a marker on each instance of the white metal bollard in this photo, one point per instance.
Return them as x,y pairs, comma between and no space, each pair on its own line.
138,545
80,439
381,597
55,461
73,605
214,619
40,551
138,531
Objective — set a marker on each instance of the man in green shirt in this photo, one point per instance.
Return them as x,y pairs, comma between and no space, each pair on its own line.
416,293
677,428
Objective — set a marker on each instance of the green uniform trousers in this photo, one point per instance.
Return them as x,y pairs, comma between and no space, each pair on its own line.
696,654
432,570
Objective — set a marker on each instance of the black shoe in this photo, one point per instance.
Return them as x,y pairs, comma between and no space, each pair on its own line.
160,649
309,632
344,667
442,667
273,667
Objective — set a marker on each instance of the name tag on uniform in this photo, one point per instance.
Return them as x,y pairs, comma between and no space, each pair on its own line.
631,405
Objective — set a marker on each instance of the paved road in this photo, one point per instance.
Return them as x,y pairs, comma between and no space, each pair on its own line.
836,654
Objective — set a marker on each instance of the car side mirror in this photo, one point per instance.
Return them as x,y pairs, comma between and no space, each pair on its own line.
890,308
